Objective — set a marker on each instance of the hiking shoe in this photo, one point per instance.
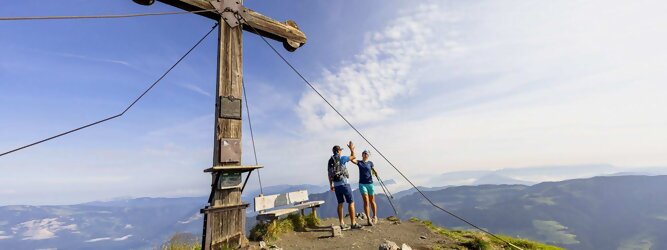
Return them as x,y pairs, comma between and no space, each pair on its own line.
356,226
344,227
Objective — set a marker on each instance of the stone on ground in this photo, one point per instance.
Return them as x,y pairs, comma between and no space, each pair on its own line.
392,218
389,245
336,231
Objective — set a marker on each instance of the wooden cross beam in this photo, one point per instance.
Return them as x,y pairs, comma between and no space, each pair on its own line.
286,32
224,217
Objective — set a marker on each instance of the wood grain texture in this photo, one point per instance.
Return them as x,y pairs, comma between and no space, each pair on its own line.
207,236
229,83
226,197
227,224
229,128
287,31
227,228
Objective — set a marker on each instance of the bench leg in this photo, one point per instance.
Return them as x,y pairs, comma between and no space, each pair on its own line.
314,211
302,213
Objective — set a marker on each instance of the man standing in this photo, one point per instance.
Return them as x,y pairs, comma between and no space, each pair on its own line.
339,184
366,187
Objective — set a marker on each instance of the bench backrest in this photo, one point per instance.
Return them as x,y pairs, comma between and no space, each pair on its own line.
277,200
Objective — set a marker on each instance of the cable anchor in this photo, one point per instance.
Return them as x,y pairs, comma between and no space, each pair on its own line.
231,11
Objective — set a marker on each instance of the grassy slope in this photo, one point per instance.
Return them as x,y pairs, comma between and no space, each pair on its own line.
463,239
482,241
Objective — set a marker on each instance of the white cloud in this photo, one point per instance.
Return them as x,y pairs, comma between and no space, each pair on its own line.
195,88
129,226
123,238
111,238
42,229
98,239
192,218
368,87
486,85
94,59
3,237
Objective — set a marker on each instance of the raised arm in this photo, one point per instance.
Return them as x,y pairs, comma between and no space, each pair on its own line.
353,158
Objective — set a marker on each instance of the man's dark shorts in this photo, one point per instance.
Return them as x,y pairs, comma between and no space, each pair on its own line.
343,193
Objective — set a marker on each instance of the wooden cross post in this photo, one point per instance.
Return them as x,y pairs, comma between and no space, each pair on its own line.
224,217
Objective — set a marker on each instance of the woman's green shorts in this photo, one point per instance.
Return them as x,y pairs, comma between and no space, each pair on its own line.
368,189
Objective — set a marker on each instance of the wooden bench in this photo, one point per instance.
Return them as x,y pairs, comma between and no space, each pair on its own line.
275,206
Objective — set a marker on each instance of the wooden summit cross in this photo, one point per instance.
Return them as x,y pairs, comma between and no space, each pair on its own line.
224,217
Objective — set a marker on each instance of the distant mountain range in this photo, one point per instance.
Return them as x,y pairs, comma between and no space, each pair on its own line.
533,175
612,212
141,223
616,212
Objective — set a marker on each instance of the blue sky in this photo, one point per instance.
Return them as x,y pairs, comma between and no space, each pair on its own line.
440,86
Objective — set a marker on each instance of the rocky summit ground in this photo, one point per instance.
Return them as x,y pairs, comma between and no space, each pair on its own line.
414,234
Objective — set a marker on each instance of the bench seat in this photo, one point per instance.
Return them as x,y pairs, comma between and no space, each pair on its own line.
297,201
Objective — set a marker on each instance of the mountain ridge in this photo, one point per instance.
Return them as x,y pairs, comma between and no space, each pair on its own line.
604,212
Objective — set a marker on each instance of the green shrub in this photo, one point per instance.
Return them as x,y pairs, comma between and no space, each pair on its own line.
272,230
312,220
298,222
182,241
476,243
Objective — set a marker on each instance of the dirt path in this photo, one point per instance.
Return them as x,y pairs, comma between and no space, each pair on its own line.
369,237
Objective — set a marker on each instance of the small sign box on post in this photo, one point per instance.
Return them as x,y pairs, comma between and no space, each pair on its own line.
229,180
230,107
230,151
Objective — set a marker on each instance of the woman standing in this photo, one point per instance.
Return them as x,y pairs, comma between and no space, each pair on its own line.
366,186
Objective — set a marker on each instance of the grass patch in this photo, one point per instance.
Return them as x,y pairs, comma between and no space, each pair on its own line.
554,232
298,222
272,230
182,241
482,241
312,220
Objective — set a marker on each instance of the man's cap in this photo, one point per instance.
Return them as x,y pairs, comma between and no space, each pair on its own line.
336,148
368,152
